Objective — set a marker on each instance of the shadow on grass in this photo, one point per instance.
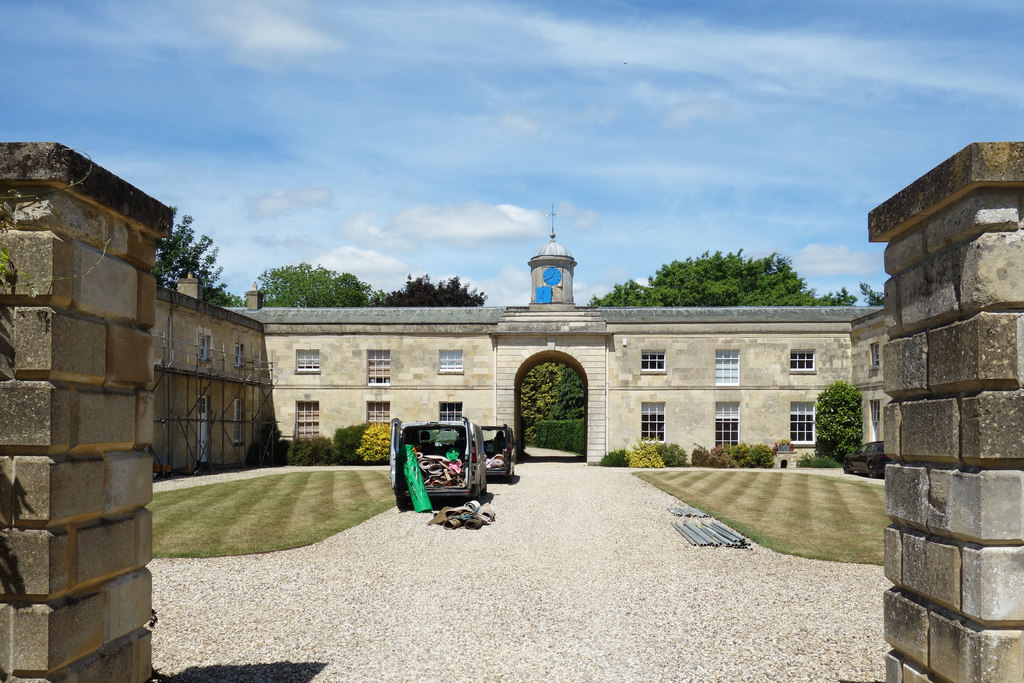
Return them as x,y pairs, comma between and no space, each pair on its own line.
292,672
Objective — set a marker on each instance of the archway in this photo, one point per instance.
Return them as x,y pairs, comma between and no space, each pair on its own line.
531,363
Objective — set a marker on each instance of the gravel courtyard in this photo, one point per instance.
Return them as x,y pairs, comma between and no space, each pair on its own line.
581,577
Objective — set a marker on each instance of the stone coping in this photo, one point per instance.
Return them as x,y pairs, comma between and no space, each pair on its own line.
978,164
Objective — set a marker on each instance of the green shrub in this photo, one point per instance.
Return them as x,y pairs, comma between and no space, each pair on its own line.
672,454
839,425
375,446
346,443
716,457
562,435
614,459
644,454
812,460
276,454
752,455
316,451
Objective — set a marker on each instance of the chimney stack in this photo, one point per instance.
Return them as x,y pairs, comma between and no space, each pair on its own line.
191,286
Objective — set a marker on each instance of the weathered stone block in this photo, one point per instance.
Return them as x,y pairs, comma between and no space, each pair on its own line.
905,251
906,366
43,263
914,673
992,272
104,419
962,651
932,568
980,353
993,427
989,505
6,490
928,292
63,214
893,555
105,549
141,251
143,537
143,418
112,662
53,492
930,430
128,604
893,311
893,667
7,341
6,627
892,419
906,494
48,636
104,286
145,307
129,356
906,624
37,561
938,502
993,583
54,345
129,482
33,414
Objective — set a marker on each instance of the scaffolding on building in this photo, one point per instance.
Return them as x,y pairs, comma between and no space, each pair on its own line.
187,425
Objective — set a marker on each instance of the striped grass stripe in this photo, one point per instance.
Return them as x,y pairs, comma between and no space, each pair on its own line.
265,513
809,515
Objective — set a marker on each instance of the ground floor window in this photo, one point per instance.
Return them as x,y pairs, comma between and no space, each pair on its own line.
801,422
652,421
239,416
450,410
727,424
378,412
307,419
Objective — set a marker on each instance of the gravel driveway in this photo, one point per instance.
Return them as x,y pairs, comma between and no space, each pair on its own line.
580,578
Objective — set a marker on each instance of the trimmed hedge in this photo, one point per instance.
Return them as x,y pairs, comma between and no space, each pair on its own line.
810,460
562,435
316,451
346,444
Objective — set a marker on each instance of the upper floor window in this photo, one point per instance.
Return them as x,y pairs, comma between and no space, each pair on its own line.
876,358
378,366
727,367
652,361
449,410
205,345
239,355
307,360
801,361
652,421
378,412
450,361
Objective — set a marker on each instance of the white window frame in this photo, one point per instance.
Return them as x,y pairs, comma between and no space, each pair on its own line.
449,362
449,411
652,421
875,354
307,361
239,355
307,419
239,417
802,361
378,367
205,347
652,361
727,419
798,421
875,415
727,367
378,412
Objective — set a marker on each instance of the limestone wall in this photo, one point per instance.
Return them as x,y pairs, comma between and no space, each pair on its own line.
76,305
955,316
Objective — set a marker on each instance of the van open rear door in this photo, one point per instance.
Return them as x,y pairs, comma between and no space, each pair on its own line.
396,433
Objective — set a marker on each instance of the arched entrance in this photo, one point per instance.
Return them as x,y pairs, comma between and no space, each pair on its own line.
534,361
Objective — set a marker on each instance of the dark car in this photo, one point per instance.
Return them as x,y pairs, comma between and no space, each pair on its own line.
869,459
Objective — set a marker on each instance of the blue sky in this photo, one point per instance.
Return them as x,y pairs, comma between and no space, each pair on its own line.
391,138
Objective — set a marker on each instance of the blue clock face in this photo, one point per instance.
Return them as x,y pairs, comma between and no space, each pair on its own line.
552,276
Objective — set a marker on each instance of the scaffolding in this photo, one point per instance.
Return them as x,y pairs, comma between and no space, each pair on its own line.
188,375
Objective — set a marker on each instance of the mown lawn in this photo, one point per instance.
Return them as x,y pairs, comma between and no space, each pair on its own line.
265,513
825,518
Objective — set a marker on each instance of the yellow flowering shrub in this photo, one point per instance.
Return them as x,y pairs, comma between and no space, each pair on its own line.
375,446
644,454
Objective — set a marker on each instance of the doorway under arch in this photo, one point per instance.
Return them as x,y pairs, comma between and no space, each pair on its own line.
535,360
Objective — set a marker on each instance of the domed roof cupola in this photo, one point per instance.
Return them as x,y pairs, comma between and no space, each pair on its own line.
551,271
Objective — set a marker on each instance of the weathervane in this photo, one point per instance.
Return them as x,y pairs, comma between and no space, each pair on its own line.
552,214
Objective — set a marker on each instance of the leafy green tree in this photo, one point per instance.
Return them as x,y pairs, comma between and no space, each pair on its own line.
570,398
839,423
723,280
303,286
537,397
871,297
183,253
421,291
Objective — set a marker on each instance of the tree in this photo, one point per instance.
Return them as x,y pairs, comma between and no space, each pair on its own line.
537,397
839,424
723,280
570,398
871,297
421,291
303,286
182,254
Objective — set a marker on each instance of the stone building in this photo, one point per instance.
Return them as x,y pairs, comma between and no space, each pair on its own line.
682,375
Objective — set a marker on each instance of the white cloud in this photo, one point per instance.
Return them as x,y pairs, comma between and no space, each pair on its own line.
382,271
511,287
471,224
274,204
684,113
520,124
818,259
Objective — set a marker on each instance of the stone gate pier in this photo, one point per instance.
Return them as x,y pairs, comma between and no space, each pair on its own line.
76,304
954,366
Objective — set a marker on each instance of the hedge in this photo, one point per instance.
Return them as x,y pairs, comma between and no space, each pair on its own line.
561,435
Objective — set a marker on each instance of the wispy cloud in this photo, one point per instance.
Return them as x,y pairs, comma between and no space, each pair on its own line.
819,259
471,224
274,204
